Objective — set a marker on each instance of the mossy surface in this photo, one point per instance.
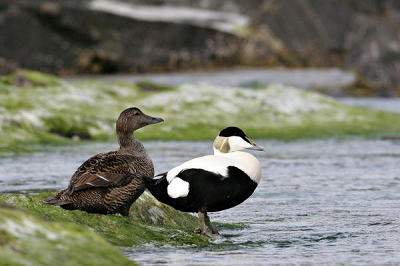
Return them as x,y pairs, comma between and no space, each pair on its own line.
26,239
42,109
149,221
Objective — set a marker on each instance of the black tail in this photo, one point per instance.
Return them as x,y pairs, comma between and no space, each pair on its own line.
55,201
158,187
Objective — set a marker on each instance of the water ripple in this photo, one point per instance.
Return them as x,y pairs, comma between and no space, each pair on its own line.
322,202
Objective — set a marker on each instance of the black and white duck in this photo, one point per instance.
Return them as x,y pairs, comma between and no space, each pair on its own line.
211,183
109,183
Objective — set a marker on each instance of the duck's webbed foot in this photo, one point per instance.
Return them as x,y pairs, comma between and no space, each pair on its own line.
204,223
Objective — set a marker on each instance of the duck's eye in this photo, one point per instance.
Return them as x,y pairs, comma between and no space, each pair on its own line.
136,113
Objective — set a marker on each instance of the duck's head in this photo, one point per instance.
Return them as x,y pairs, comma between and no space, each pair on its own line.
233,139
132,119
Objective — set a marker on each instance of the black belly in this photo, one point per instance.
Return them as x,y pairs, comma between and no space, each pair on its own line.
208,191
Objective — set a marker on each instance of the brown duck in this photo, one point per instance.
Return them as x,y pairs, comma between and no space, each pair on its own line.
110,182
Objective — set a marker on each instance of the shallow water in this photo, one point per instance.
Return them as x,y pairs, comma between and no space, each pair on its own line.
319,202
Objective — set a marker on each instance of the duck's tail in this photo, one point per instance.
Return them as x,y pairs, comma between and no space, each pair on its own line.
55,200
158,187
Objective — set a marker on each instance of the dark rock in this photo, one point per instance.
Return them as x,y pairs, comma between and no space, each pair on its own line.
358,35
7,67
311,32
375,52
71,38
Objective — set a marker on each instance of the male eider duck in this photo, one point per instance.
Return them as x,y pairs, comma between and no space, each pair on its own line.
211,183
109,183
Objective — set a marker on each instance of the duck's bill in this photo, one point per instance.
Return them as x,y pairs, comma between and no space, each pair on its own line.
155,120
255,147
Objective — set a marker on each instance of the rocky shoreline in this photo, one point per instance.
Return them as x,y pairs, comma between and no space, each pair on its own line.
32,233
87,110
135,36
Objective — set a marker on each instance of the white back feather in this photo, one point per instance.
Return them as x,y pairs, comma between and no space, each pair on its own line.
219,164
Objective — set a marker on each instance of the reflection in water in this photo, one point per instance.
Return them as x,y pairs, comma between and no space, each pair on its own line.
319,201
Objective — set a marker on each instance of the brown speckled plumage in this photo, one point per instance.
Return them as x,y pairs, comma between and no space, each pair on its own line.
110,182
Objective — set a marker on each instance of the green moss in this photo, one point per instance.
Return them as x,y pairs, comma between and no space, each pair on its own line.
150,221
149,86
55,112
26,239
25,77
39,78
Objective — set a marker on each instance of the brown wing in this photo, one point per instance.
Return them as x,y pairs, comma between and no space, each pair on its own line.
102,170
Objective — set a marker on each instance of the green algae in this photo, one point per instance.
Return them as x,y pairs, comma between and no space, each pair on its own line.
29,78
149,221
273,112
47,110
26,239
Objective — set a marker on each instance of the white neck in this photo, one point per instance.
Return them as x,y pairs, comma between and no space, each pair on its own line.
217,152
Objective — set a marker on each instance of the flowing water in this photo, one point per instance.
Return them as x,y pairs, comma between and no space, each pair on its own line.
319,202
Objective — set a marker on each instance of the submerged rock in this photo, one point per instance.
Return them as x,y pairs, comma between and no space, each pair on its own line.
26,239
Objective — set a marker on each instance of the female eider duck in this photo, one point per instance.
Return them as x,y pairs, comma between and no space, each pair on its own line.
109,183
211,183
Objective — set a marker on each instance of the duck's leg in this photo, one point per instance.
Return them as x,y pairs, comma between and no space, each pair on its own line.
204,223
210,225
203,229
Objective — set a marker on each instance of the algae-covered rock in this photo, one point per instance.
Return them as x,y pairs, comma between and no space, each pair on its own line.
30,78
26,239
149,222
51,111
274,111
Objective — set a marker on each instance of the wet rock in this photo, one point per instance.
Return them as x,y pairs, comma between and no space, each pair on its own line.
76,111
26,239
149,221
27,78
